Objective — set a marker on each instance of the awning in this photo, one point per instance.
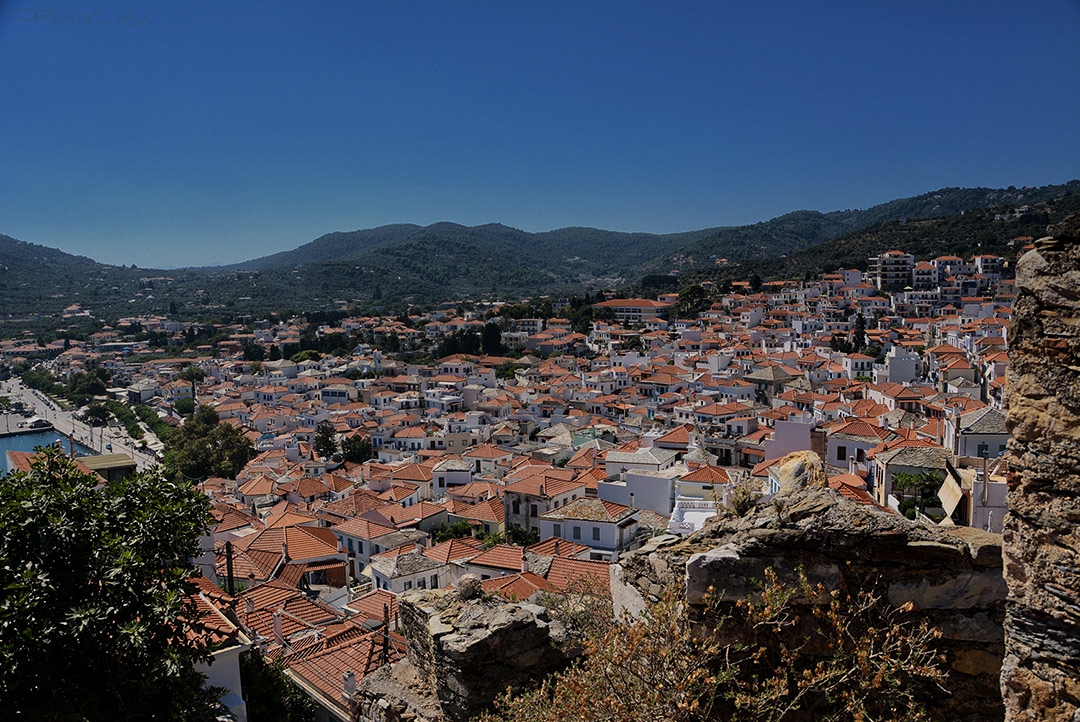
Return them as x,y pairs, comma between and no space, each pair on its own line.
328,564
950,494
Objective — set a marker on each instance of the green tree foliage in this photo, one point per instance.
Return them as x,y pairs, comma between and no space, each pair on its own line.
307,355
157,424
269,694
458,530
205,447
92,620
84,384
463,342
126,417
521,536
326,443
43,381
184,407
919,491
254,352
95,414
692,300
356,449
491,340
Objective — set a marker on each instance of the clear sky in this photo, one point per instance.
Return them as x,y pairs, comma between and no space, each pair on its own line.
198,132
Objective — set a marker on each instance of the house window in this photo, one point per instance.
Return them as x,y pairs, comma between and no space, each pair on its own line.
408,586
350,545
557,531
577,532
421,584
532,510
434,581
860,455
596,533
841,453
359,547
983,451
517,506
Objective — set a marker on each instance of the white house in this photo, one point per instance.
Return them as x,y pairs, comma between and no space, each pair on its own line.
605,527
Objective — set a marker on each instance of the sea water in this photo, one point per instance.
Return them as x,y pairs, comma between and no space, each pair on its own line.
29,442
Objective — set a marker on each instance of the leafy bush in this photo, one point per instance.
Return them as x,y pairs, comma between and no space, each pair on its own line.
846,657
96,594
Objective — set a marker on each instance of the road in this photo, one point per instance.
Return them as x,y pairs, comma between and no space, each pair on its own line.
97,438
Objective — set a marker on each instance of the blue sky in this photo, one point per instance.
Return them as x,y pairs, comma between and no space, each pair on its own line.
194,132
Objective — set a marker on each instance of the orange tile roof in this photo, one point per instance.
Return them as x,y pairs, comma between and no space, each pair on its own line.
370,605
500,556
566,572
448,551
514,587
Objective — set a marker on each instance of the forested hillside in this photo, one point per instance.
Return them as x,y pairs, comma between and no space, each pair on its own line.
398,264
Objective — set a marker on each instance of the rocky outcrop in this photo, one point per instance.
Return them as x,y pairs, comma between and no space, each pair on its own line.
1041,674
951,576
463,652
800,469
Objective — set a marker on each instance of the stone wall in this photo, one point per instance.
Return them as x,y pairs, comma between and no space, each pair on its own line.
951,576
462,654
1041,674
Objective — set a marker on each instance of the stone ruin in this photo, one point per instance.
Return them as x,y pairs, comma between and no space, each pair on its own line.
1041,675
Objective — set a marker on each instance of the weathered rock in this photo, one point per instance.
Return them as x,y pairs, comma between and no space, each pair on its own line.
394,693
951,574
1042,529
462,654
801,469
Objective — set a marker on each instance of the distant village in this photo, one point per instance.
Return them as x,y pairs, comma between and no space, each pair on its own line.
535,469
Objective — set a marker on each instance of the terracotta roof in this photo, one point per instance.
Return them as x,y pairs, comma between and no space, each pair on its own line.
363,528
708,475
500,556
555,547
514,587
566,572
448,551
370,605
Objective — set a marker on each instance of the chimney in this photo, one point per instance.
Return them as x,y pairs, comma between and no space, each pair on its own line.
348,683
249,604
524,562
556,546
285,551
632,506
419,547
278,636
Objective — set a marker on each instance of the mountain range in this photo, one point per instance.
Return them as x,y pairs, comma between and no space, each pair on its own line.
446,261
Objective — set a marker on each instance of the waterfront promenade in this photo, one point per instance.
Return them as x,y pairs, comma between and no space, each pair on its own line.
64,422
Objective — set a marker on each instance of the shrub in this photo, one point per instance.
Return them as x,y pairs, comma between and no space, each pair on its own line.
832,656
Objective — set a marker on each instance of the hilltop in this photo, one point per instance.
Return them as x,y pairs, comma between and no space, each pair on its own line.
402,262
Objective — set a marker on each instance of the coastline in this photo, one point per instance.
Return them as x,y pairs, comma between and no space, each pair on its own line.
24,431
